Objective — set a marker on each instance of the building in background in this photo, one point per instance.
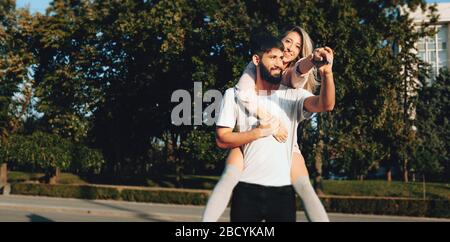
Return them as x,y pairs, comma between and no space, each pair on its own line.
435,50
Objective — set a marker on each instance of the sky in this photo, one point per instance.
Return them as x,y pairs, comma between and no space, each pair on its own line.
41,5
35,5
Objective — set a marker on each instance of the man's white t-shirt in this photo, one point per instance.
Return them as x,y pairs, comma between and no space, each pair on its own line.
267,162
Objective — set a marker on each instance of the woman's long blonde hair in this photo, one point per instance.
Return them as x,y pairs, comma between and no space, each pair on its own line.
307,49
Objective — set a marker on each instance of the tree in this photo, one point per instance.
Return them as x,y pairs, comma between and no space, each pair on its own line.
432,157
364,129
202,154
66,70
50,154
14,62
39,151
406,84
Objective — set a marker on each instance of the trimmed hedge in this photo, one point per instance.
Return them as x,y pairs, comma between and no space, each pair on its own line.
173,197
387,206
337,204
65,191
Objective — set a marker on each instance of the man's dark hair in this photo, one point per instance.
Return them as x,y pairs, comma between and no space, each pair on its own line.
264,43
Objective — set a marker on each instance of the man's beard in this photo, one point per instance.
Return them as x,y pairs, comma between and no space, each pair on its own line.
265,75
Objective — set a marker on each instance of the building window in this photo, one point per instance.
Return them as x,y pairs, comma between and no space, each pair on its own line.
433,50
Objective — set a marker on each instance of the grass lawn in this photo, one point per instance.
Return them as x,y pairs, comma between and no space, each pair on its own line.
66,178
387,189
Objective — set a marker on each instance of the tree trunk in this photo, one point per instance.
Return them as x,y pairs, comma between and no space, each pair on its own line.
3,173
389,175
424,190
173,157
179,160
52,177
179,175
405,170
318,186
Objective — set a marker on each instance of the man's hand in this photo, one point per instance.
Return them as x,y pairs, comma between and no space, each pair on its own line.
320,57
326,100
327,54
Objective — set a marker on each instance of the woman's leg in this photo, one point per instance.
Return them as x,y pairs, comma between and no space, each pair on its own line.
314,210
221,194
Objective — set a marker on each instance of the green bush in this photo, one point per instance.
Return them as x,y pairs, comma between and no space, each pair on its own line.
386,206
172,197
86,160
439,208
201,152
46,152
38,151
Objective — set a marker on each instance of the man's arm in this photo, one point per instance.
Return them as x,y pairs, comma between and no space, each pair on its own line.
227,139
326,100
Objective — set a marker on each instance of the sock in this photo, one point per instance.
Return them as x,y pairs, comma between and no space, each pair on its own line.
314,210
221,194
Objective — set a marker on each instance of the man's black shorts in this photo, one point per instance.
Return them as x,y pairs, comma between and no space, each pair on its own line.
256,203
